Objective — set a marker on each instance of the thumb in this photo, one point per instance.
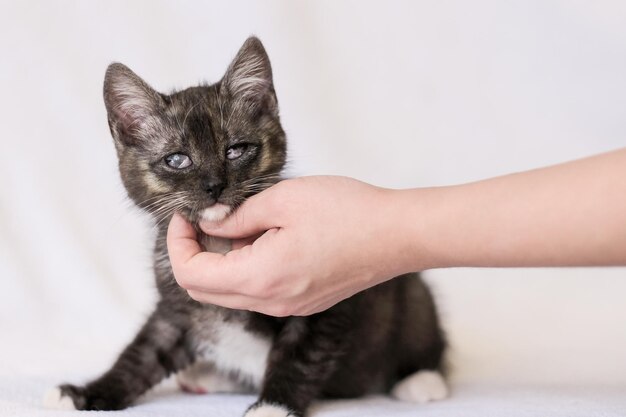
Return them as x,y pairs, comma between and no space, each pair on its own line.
256,215
181,239
193,268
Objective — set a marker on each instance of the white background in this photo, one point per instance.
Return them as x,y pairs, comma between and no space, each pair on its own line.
400,94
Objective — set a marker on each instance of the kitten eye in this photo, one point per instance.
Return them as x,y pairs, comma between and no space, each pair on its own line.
235,151
178,160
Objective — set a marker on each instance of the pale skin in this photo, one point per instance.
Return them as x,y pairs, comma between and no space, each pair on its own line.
305,244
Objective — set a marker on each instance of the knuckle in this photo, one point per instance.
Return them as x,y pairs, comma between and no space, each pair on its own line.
282,185
281,310
272,204
282,196
261,288
195,295
183,281
300,287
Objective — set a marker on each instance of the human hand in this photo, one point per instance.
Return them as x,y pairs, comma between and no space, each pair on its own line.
323,239
318,241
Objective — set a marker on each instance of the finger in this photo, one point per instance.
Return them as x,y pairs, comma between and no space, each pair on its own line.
240,243
191,265
181,240
198,270
234,301
241,302
256,215
239,271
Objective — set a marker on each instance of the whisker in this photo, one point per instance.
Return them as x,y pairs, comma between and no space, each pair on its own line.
168,213
269,177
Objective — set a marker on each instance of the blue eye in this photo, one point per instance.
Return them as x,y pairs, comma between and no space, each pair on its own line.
236,151
178,160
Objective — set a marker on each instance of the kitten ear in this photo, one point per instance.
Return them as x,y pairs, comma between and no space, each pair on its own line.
249,77
131,104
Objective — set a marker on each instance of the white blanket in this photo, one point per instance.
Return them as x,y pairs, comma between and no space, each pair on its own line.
22,397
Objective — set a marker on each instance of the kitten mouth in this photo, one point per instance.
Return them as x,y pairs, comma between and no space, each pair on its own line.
216,212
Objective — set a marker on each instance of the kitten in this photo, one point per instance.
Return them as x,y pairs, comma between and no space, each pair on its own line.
202,151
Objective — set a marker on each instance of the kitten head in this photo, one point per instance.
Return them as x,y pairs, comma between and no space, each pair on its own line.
201,151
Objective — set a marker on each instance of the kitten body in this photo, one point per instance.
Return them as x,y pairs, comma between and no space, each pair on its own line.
202,152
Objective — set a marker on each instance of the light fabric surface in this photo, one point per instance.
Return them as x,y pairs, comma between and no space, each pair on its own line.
469,400
397,93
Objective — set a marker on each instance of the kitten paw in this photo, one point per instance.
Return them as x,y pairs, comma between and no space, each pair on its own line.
269,410
421,387
56,399
71,397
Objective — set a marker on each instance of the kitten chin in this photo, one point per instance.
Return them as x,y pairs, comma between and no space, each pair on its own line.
215,213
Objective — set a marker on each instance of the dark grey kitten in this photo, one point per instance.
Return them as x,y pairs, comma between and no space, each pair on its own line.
202,151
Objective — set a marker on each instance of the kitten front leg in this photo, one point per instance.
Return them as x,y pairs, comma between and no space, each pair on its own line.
302,359
157,351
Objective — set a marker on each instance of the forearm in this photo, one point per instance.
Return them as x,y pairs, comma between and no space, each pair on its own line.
573,214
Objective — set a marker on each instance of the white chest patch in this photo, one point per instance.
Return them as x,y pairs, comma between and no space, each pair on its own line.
239,351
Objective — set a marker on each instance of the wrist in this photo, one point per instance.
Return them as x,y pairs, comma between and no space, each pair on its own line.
423,225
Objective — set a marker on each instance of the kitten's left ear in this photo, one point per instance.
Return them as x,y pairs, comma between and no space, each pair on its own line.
249,77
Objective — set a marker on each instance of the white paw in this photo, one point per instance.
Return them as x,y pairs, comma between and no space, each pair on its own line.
55,400
421,387
201,378
268,410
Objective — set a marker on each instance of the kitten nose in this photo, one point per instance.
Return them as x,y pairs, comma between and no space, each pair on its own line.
214,189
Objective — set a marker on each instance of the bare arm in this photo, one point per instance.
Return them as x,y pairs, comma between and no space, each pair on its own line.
572,214
326,238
